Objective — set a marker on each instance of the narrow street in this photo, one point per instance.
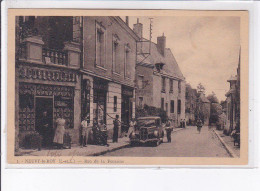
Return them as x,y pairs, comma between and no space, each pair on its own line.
185,143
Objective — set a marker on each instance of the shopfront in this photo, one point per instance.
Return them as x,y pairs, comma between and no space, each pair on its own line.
100,88
127,106
42,99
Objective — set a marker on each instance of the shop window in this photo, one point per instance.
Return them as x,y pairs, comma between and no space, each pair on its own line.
115,103
163,84
172,106
100,45
162,103
179,106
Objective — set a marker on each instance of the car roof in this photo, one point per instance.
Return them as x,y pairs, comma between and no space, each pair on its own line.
150,117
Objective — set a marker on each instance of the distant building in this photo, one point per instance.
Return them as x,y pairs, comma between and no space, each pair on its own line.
159,80
190,105
203,107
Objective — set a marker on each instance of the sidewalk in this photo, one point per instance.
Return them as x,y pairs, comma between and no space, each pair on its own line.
228,143
90,150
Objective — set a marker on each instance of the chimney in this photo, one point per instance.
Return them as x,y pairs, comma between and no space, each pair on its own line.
127,20
161,44
138,28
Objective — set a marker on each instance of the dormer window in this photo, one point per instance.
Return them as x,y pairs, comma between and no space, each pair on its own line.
159,66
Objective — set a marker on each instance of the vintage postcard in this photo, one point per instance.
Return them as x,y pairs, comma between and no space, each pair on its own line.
127,87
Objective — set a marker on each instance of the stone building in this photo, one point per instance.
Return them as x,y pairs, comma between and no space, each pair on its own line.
108,71
74,66
47,75
203,107
191,97
159,80
233,102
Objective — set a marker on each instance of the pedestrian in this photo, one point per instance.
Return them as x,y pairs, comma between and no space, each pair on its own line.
116,128
199,125
45,129
85,128
181,124
103,133
131,127
184,123
59,132
168,130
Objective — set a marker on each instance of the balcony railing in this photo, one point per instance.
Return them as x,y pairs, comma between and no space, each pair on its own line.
54,56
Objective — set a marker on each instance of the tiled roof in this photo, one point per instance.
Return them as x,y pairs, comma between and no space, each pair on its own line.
170,67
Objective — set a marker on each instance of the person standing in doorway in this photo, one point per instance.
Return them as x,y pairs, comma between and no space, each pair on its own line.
116,128
59,132
46,130
85,128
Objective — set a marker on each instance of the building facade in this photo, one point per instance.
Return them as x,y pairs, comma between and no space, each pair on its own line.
159,80
74,66
191,97
47,76
108,70
233,103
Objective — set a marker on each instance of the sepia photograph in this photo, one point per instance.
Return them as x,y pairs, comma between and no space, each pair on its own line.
143,87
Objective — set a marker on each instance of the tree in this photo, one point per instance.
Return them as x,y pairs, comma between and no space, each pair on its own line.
215,108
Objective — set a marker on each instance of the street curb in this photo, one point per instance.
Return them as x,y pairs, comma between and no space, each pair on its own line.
228,149
109,150
120,147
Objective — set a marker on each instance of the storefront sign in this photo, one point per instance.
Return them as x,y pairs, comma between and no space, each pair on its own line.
46,74
127,92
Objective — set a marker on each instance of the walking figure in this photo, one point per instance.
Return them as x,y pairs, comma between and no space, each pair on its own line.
85,128
116,127
168,130
199,125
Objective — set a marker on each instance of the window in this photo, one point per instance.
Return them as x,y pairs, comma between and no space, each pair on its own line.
141,102
127,61
171,85
116,63
166,106
100,45
162,103
179,86
163,84
115,103
179,106
172,106
140,82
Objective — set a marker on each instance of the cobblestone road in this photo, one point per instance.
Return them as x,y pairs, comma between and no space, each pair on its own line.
185,143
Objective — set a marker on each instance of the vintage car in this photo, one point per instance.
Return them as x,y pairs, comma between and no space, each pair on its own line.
147,130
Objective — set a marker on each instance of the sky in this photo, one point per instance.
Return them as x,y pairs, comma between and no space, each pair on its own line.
205,48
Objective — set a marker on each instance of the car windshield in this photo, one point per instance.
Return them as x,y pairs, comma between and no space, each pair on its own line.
146,122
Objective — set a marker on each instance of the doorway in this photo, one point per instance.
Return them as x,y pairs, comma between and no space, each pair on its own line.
44,119
125,113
